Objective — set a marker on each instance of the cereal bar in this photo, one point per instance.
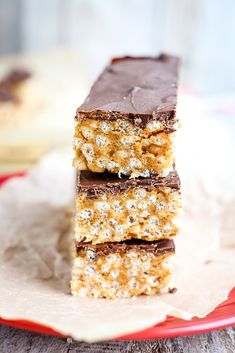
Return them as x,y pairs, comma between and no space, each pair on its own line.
110,209
127,123
121,270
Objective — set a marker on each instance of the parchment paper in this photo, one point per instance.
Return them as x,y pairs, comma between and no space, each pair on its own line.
35,233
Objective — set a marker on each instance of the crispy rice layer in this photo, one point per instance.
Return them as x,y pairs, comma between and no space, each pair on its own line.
120,147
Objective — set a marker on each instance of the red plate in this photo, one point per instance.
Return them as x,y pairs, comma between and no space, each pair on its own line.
222,316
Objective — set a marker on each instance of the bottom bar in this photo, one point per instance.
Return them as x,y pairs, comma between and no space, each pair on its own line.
121,270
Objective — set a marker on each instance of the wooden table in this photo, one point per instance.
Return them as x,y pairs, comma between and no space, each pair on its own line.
19,341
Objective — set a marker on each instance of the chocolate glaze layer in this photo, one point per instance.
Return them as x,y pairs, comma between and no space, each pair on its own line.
158,248
15,76
96,184
10,82
6,94
135,88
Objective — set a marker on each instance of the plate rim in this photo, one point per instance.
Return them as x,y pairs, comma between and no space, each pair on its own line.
225,313
178,327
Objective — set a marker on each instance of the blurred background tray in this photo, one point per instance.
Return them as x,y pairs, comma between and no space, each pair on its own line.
60,80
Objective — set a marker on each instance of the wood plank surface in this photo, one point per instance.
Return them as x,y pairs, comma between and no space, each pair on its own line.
19,341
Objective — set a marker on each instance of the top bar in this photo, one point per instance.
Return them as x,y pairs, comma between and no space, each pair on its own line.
131,111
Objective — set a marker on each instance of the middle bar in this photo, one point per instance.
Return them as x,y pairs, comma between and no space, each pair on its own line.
110,209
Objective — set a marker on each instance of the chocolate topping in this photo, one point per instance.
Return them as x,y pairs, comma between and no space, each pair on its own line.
96,184
158,248
6,94
15,76
10,82
135,88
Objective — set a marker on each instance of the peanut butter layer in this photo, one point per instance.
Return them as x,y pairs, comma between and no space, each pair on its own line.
109,209
126,124
121,270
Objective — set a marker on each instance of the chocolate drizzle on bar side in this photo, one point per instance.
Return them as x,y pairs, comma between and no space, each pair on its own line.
10,82
158,248
138,89
96,184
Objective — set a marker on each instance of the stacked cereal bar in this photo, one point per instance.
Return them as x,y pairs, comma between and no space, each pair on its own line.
128,194
121,270
18,98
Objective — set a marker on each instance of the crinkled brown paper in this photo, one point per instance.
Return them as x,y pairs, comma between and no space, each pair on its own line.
34,265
